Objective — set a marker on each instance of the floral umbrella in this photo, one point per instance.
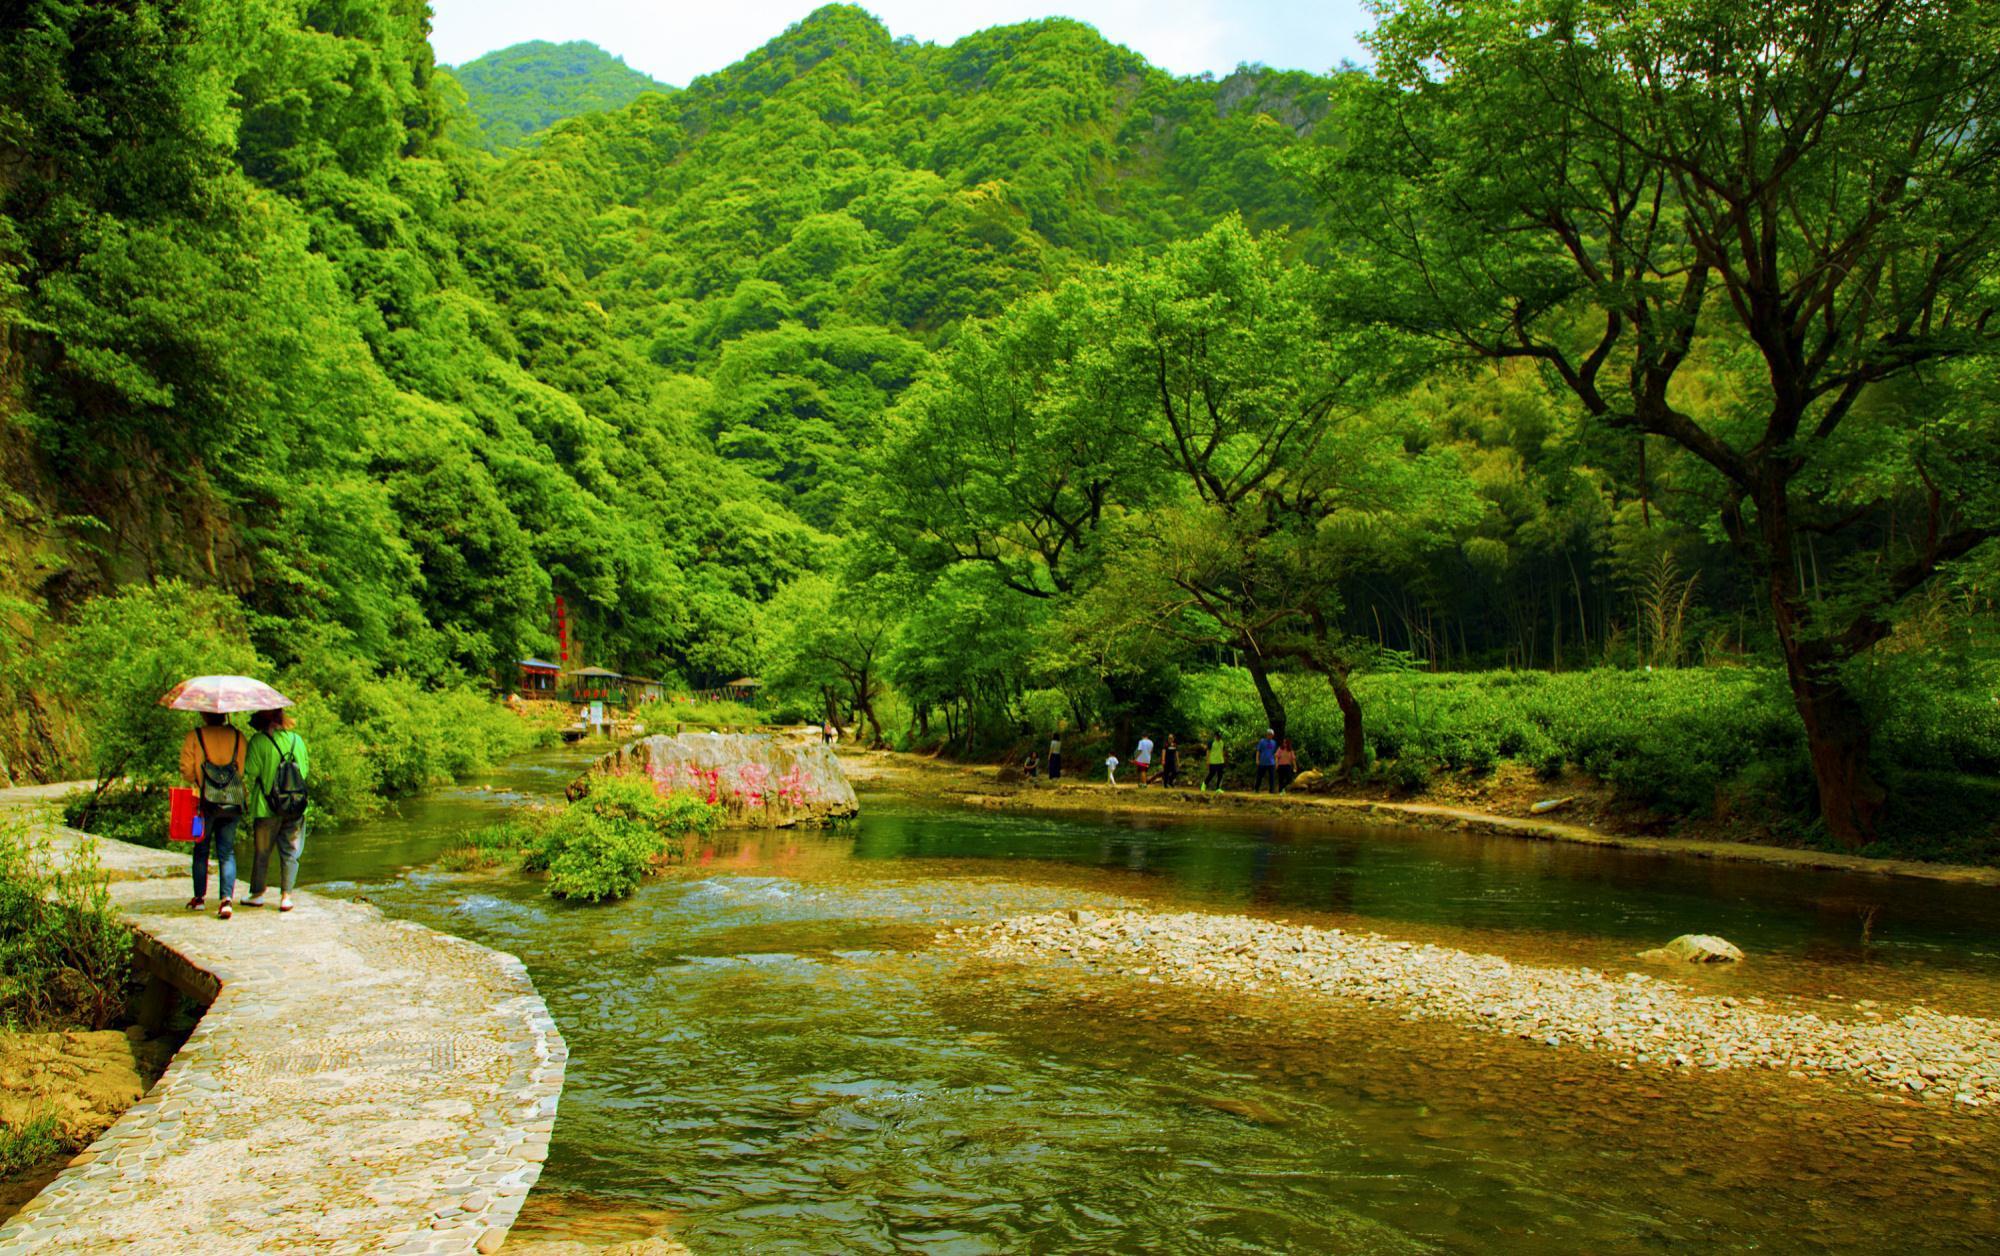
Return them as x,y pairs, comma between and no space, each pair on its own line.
224,693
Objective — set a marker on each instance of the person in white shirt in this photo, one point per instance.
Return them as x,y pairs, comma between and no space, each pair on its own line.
1111,768
1143,757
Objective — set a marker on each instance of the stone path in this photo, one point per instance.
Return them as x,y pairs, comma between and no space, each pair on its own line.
357,1084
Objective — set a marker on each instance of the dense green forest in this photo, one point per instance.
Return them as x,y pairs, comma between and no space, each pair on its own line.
515,92
973,390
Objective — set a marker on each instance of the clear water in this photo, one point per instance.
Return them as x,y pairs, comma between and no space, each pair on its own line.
770,1054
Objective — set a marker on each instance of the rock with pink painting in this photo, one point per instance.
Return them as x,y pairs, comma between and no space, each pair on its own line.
759,781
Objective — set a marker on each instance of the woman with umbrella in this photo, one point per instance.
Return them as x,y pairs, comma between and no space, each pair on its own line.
212,762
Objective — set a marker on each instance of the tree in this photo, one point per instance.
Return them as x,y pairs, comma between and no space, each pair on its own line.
1794,199
830,641
1005,455
1251,406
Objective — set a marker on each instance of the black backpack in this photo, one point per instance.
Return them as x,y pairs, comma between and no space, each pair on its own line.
221,784
287,797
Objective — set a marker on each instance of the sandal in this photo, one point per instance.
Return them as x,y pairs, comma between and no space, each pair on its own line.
196,904
285,903
223,912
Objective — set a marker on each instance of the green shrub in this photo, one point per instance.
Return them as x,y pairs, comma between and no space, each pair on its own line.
599,847
123,652
131,815
703,715
64,957
592,859
1408,774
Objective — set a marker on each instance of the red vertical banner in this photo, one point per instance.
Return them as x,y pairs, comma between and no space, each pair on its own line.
562,631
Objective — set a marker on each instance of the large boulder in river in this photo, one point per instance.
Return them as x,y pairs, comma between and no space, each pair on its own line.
759,781
1694,948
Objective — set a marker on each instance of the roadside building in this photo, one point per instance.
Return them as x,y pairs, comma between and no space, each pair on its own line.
537,679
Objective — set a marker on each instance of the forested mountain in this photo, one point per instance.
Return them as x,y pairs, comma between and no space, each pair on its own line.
294,344
517,91
1016,380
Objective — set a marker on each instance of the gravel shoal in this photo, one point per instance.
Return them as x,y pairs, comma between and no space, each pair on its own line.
1919,1053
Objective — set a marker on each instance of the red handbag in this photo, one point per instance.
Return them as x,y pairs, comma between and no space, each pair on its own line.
181,815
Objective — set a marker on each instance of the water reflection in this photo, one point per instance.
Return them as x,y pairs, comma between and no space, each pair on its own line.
769,1055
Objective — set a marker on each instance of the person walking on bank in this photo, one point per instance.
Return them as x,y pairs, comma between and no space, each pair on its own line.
1287,760
1267,762
1111,768
1214,778
1055,756
1170,763
1142,758
277,769
212,762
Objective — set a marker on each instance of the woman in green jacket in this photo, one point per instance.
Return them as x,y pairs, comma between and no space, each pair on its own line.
276,770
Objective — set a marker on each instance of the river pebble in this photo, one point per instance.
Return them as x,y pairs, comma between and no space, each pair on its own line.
1919,1053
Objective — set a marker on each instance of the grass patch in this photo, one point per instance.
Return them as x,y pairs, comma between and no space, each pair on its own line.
24,1146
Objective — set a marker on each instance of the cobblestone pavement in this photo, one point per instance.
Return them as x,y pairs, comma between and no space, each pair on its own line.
359,1084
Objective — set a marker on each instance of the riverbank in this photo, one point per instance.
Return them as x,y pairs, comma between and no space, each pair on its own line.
996,788
59,1091
1641,1019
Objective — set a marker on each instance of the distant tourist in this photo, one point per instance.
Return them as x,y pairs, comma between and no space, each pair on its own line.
1170,762
212,762
1111,768
1142,758
1214,778
1288,764
1055,756
277,770
1267,763
1031,765
826,733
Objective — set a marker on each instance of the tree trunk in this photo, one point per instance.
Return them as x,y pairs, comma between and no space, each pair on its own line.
1837,732
1353,748
1837,738
1274,708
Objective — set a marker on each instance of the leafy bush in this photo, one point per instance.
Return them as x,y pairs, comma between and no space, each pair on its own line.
64,957
599,847
123,652
704,715
372,736
138,816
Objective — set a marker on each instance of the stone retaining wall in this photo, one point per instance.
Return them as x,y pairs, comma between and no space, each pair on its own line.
356,1084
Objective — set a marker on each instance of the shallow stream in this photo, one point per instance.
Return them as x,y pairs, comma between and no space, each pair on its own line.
769,1053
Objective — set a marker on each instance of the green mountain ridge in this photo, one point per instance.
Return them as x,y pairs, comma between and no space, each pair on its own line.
397,399
522,89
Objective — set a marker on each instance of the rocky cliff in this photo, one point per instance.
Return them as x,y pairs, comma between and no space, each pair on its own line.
759,781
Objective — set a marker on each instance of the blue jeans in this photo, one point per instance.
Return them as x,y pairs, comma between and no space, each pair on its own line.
221,834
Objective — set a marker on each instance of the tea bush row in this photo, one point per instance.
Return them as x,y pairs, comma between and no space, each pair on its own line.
1680,741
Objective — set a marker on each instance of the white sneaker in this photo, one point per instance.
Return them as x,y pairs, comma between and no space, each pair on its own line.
285,902
254,902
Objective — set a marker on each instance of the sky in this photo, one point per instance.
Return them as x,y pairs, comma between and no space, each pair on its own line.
678,40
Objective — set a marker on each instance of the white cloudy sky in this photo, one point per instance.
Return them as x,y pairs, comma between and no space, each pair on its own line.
676,40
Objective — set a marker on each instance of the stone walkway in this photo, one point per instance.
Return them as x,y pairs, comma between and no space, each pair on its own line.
358,1084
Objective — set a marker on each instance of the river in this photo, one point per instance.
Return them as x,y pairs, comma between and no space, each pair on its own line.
769,1054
